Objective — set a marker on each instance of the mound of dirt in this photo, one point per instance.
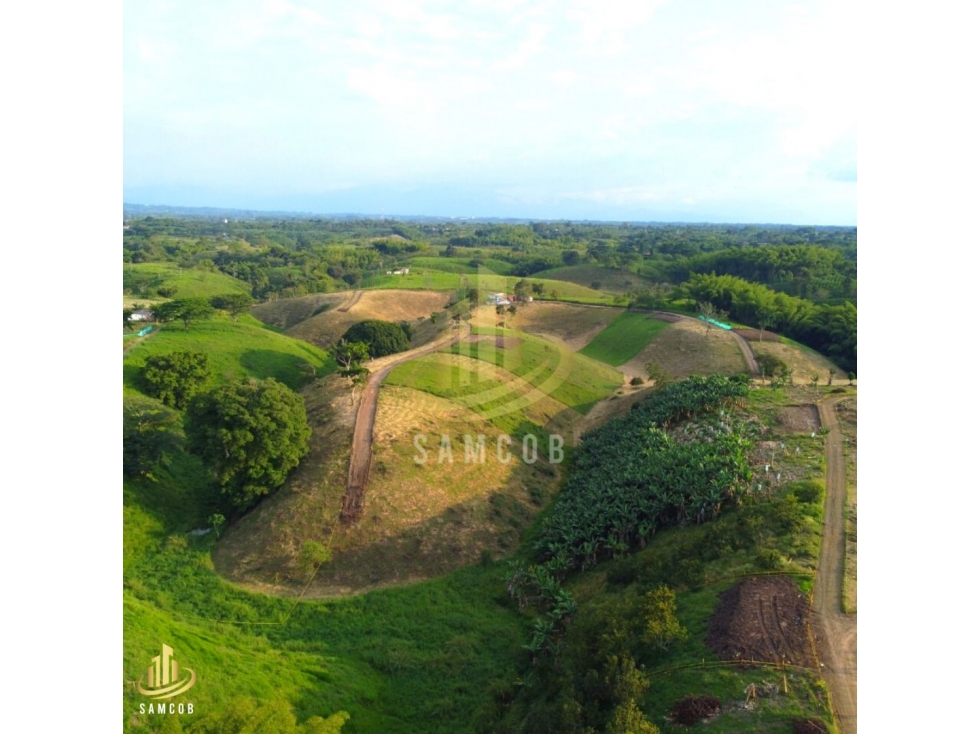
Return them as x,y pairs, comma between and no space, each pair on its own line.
693,709
764,619
754,335
808,726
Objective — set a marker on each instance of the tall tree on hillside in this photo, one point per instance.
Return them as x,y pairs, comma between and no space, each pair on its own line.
522,290
126,323
233,303
184,309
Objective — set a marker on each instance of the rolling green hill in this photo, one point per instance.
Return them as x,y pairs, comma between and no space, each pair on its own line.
144,279
245,349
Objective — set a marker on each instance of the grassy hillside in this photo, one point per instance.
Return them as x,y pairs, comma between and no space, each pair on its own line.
245,349
460,264
144,279
624,338
614,280
574,380
487,283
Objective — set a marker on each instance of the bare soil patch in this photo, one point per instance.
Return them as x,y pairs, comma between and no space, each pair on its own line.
754,335
799,419
694,709
670,318
762,618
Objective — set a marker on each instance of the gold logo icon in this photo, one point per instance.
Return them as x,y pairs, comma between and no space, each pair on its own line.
163,677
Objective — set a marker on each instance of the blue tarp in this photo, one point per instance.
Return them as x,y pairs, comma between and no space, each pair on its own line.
717,323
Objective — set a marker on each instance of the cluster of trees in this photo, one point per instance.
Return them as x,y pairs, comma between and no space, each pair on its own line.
805,271
248,716
380,337
829,329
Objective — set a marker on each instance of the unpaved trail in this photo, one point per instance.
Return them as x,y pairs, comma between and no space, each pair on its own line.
835,632
361,450
749,354
350,302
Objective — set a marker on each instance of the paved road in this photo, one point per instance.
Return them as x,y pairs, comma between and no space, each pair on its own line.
361,450
836,632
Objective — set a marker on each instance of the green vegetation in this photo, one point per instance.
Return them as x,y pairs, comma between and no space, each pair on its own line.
175,378
624,338
630,477
250,435
152,280
568,377
381,337
600,623
245,349
830,329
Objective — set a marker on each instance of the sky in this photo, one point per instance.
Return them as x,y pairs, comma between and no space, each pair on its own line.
656,110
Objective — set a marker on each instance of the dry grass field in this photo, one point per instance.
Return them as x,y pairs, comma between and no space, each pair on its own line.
386,305
573,325
682,350
804,363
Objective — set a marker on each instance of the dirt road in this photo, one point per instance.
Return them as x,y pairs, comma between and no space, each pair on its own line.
836,632
349,303
363,440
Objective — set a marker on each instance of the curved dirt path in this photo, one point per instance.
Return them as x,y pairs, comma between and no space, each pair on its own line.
350,302
363,438
835,632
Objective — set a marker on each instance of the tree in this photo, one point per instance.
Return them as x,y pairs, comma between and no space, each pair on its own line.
174,378
538,289
381,337
627,718
233,303
250,434
149,432
126,323
661,626
522,290
709,314
473,295
185,309
349,354
660,377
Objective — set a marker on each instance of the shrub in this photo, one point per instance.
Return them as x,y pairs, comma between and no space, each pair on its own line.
174,378
636,381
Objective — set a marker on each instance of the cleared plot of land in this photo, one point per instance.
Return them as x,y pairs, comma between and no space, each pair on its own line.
803,362
571,378
624,338
287,312
573,325
143,279
763,619
614,280
846,411
682,349
386,305
245,349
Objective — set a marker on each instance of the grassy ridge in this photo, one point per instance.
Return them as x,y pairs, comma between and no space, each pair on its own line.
487,283
460,264
245,349
148,277
624,338
616,280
